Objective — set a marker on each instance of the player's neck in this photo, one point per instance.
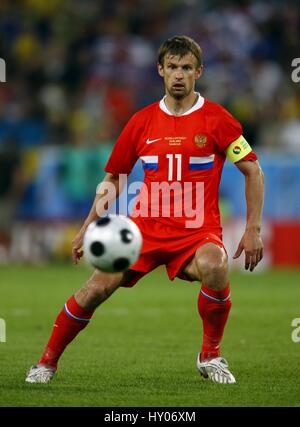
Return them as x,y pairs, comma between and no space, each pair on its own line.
179,107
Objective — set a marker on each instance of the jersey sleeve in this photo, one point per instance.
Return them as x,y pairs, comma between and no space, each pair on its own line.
228,129
124,155
230,139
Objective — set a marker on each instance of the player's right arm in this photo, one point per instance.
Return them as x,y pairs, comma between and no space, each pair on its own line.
119,165
110,181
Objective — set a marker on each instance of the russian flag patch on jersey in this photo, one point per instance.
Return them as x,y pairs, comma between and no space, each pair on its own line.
150,162
201,163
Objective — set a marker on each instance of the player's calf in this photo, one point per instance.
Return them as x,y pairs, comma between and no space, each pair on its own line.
97,289
74,317
102,285
210,266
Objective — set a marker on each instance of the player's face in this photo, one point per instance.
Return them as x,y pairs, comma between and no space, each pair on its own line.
180,75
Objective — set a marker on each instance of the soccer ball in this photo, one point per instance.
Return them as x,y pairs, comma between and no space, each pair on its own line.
112,243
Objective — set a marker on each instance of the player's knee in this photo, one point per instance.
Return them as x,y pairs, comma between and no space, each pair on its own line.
212,264
217,268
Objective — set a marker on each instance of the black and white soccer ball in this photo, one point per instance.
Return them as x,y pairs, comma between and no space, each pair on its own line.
112,243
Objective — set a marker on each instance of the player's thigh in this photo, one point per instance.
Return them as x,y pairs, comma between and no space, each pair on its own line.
209,258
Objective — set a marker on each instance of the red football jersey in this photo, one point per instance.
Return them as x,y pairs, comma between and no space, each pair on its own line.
182,157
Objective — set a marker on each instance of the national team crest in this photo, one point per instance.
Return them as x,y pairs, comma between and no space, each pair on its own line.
200,140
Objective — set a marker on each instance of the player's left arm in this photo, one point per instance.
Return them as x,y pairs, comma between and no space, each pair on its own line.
251,241
229,138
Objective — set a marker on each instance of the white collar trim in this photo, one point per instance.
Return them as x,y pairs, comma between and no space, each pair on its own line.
197,106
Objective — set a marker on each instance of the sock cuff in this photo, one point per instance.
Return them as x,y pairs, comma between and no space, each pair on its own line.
73,310
222,295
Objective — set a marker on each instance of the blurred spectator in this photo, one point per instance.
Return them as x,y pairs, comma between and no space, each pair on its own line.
11,190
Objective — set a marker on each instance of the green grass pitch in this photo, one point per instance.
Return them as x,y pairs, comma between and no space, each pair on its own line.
141,345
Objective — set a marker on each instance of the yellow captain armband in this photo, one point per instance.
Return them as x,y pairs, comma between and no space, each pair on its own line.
238,149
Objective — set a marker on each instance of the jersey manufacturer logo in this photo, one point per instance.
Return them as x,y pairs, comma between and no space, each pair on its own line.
200,140
150,141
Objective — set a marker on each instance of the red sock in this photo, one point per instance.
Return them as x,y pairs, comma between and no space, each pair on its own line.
213,307
70,321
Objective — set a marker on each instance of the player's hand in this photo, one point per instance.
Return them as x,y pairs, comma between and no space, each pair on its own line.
77,252
252,244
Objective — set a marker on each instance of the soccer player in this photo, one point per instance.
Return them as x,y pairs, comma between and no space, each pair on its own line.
183,141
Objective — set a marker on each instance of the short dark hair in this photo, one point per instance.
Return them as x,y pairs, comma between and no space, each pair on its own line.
179,46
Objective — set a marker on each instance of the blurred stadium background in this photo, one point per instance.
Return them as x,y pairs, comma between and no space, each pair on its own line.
77,70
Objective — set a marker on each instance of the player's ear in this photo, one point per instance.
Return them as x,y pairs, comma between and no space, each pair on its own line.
160,70
199,72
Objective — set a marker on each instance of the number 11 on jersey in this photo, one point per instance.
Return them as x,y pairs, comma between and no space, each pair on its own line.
172,161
